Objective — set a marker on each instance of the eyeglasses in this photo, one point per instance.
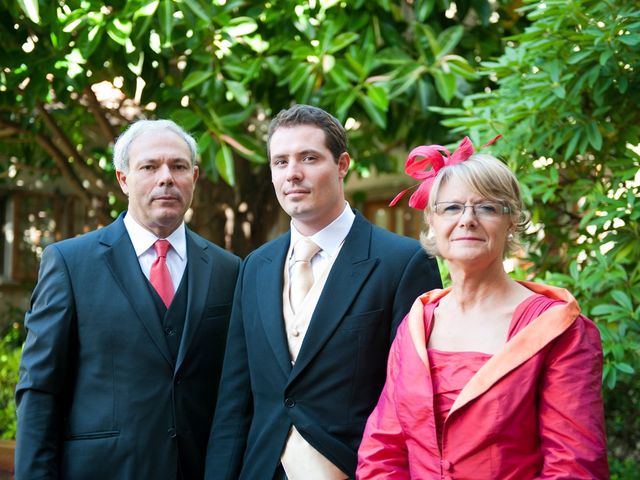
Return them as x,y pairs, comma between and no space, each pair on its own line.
481,210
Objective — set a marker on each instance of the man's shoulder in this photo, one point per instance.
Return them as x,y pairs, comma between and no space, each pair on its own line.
385,237
86,240
268,249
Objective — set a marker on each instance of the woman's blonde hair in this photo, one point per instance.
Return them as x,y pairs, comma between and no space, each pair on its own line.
490,178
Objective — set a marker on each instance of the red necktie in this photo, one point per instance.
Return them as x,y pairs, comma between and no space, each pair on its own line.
160,276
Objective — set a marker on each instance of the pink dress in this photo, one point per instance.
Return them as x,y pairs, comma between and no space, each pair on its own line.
532,410
450,372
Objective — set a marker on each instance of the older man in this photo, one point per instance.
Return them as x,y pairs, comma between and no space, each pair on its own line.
126,331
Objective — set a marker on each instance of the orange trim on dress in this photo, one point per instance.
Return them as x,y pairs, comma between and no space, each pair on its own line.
520,348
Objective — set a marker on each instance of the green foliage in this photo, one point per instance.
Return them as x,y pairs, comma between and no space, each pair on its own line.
623,425
222,69
623,469
228,61
565,94
607,294
10,349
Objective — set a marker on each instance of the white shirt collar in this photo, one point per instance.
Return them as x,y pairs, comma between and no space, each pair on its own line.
142,239
331,236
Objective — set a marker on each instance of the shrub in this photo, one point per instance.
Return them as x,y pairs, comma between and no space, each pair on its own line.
10,349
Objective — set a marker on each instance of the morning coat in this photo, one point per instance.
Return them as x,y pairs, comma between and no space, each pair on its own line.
340,370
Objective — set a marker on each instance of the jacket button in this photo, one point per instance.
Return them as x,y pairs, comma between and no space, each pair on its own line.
171,432
447,466
289,402
169,331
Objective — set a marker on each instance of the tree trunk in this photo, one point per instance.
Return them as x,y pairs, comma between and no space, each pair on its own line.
240,218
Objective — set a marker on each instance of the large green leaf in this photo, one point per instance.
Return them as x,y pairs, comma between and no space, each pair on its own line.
445,84
239,92
374,113
147,9
236,118
225,164
31,9
378,96
187,119
197,9
423,9
240,26
165,15
196,78
594,135
449,39
342,41
119,30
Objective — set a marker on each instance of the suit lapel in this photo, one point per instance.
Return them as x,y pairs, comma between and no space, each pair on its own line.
121,259
350,270
199,272
269,301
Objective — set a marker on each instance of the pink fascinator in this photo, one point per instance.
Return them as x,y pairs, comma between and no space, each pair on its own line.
438,157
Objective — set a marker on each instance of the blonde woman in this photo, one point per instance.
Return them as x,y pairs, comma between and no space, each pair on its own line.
491,378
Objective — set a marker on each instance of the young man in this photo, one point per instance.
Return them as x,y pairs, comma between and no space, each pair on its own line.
126,331
309,335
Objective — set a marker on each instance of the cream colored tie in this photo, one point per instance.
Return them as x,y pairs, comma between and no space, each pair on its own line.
301,279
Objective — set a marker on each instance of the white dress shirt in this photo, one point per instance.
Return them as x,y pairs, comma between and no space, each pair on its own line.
329,239
143,240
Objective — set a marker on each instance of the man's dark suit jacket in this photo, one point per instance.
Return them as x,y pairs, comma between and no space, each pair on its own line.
100,395
341,367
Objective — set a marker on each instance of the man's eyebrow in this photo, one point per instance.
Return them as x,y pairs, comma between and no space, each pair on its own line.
154,158
307,151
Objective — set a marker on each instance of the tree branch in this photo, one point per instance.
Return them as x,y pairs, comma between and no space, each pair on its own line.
98,113
69,149
70,176
7,131
63,166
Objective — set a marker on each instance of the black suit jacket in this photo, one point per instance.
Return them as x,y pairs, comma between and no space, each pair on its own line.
340,370
100,396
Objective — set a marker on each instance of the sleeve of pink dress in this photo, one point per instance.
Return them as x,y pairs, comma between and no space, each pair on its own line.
383,452
571,410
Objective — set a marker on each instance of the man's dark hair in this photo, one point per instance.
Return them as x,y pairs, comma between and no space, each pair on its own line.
335,136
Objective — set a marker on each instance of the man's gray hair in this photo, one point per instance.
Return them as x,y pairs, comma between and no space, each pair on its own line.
121,148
